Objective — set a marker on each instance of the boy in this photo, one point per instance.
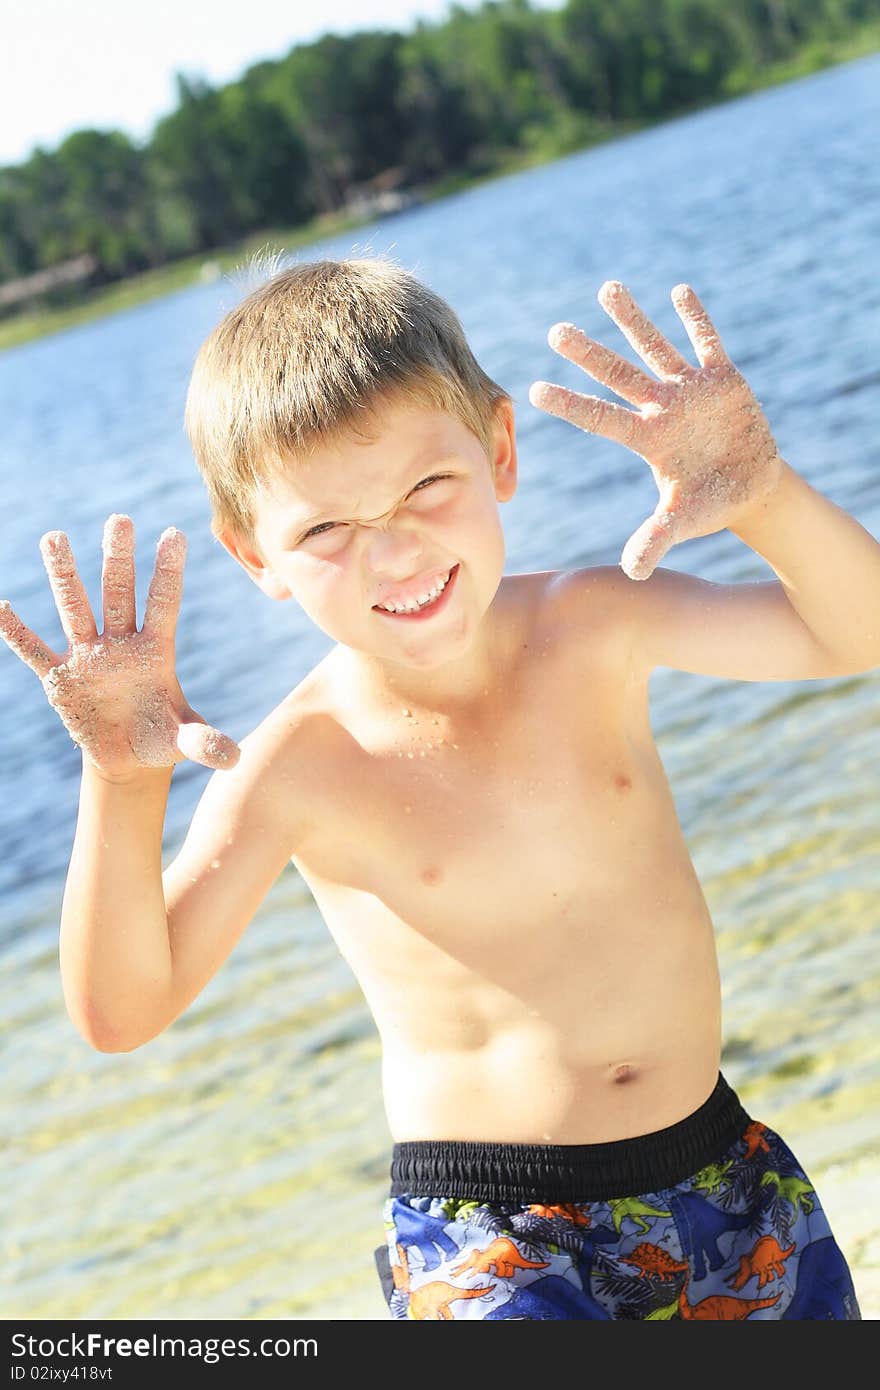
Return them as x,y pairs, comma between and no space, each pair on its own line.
565,1146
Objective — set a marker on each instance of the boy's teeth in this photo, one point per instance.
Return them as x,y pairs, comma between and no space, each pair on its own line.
415,604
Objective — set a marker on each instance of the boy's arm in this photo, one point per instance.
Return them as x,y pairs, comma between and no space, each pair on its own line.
819,619
113,945
716,465
247,825
137,944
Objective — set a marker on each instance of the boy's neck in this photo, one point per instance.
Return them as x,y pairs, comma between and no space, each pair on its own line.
452,689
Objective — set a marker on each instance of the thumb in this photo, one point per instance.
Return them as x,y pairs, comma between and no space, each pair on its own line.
203,744
646,547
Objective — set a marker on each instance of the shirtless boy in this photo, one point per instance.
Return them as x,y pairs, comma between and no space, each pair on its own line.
468,784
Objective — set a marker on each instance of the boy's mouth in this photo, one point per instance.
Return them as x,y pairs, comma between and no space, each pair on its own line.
436,602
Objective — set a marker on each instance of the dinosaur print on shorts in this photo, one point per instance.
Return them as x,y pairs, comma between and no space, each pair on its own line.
744,1238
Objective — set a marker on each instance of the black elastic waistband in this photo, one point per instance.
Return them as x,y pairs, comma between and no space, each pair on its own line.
571,1172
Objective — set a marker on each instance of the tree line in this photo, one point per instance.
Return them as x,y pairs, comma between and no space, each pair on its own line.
292,138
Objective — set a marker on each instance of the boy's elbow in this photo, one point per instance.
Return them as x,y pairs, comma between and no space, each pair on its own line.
108,1042
115,1046
101,1038
131,1019
115,1041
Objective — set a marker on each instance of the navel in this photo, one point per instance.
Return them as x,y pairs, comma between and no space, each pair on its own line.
623,1071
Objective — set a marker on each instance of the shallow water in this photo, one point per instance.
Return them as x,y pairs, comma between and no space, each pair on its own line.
217,1172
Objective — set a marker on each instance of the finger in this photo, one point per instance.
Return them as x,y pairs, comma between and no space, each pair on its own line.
71,599
166,586
646,547
699,327
606,366
117,576
202,744
640,332
588,413
26,644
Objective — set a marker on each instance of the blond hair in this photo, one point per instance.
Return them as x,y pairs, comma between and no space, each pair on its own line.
310,356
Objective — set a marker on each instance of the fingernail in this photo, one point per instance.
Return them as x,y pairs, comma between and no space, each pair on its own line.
561,332
117,540
611,290
174,540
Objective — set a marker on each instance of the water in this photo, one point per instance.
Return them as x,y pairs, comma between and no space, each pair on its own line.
220,1171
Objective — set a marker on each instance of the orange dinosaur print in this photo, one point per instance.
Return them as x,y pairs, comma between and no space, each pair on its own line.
765,1259
652,1260
755,1141
504,1255
719,1308
400,1272
430,1302
569,1211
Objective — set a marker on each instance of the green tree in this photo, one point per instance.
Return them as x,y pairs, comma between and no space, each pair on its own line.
105,202
304,88
194,148
440,128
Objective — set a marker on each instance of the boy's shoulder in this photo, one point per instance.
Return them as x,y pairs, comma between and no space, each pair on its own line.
588,589
590,611
304,714
283,754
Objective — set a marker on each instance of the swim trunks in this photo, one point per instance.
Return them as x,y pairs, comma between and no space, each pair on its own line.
711,1218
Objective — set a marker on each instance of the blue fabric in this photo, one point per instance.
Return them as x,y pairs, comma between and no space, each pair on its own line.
746,1237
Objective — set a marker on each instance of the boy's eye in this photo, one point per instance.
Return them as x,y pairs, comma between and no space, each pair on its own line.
328,525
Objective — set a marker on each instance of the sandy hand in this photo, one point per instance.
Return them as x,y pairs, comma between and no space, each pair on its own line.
117,694
700,429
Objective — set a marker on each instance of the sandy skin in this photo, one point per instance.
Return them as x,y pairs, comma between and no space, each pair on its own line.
117,693
700,429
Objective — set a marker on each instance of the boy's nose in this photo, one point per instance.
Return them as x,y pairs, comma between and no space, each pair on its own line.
393,551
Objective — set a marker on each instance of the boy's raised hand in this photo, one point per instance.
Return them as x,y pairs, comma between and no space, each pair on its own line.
117,694
700,429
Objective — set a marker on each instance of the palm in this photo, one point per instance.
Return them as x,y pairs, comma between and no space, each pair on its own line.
117,693
131,681
699,429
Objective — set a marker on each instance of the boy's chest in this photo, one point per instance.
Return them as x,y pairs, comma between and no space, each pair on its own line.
434,827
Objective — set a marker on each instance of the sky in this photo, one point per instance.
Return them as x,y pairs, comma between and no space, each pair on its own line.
110,64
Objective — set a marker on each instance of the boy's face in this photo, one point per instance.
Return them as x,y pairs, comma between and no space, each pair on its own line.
363,524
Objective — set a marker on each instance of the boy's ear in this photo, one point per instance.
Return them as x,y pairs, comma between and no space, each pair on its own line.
252,563
504,461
